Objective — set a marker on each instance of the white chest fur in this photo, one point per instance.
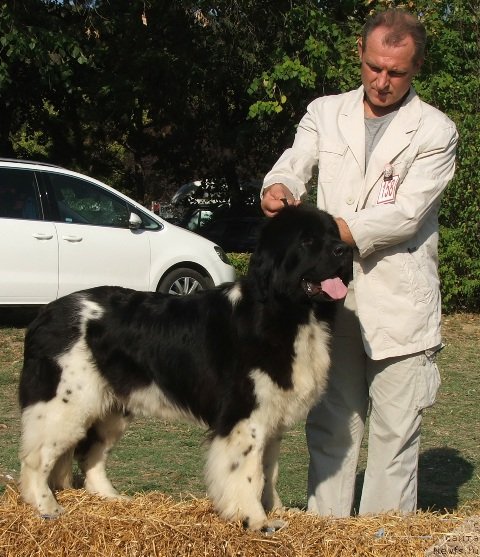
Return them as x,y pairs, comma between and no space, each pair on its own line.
309,377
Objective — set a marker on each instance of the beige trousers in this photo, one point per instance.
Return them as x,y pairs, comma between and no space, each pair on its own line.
394,391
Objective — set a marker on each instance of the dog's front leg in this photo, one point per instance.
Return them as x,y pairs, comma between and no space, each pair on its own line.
270,498
234,476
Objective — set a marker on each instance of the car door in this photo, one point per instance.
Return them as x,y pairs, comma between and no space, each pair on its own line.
28,245
95,244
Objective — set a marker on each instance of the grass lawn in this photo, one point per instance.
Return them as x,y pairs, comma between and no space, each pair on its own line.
154,455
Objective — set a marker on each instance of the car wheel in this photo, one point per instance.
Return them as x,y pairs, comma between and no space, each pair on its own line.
181,282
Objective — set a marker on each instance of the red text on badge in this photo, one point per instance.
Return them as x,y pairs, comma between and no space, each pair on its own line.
388,190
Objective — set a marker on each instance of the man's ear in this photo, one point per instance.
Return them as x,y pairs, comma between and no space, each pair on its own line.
360,47
418,65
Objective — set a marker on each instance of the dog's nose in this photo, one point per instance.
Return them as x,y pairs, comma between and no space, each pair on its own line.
340,249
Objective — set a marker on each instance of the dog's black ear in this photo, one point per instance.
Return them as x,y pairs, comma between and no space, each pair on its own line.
260,271
266,262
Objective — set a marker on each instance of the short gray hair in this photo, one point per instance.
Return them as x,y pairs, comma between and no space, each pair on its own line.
400,24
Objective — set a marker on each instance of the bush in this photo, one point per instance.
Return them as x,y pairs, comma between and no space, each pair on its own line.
459,249
240,262
459,270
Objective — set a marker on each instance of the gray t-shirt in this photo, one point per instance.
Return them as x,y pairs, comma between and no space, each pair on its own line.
374,129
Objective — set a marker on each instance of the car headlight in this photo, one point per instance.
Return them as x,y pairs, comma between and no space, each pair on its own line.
223,256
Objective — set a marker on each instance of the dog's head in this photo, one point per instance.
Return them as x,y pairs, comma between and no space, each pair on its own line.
300,257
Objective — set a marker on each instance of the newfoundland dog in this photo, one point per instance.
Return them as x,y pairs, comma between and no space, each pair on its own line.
247,360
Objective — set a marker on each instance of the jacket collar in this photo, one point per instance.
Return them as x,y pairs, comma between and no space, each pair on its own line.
351,125
396,138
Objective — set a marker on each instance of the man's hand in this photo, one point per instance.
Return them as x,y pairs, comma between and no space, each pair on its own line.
275,197
345,233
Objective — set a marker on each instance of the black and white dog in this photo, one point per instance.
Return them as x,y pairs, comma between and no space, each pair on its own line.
247,360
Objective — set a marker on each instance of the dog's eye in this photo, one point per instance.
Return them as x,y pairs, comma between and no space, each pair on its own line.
306,242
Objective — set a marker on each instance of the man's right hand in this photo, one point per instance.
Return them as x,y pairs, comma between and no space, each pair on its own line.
275,197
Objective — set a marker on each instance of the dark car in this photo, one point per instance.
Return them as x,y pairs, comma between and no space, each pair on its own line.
235,230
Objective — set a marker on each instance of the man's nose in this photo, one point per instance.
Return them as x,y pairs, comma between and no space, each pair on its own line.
382,80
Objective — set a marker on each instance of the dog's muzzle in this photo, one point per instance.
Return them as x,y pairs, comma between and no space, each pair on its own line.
330,289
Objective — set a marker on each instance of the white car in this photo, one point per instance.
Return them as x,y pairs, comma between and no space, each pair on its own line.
61,231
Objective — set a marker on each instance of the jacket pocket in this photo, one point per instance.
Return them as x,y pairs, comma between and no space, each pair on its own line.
428,382
330,158
421,287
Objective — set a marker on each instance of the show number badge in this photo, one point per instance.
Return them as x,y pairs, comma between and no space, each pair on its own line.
388,188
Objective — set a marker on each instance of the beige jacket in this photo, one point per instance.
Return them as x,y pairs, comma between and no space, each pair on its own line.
393,221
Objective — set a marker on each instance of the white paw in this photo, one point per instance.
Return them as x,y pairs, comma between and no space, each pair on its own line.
51,511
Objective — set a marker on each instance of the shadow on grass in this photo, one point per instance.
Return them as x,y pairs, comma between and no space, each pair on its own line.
441,473
17,316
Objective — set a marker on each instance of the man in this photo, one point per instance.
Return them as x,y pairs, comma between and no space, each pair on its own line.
384,158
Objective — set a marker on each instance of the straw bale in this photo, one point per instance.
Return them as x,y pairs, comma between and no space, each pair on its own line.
155,525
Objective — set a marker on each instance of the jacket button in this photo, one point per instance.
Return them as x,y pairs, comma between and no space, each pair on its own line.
350,200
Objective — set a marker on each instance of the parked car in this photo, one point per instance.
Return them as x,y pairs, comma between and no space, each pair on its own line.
236,230
61,231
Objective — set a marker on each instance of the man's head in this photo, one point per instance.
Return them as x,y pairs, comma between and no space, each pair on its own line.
391,51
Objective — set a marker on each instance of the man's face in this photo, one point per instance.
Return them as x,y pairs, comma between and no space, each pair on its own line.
387,72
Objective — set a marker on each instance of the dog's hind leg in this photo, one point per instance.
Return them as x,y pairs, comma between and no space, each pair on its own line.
93,450
49,430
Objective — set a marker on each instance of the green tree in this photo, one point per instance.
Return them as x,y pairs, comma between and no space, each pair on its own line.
152,93
37,73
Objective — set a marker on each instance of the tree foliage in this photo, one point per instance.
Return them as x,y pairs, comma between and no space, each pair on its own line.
150,95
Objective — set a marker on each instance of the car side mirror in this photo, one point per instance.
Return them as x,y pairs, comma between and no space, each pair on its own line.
134,221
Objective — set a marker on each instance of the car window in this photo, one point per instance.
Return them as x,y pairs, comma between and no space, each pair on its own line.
19,195
82,202
147,222
199,218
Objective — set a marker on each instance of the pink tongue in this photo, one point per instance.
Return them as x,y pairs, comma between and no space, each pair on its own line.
335,288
